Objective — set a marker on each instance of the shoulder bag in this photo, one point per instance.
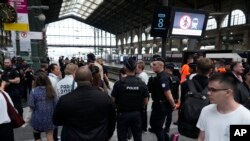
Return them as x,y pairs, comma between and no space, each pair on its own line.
16,119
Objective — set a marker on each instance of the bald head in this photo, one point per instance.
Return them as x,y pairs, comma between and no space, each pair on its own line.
83,74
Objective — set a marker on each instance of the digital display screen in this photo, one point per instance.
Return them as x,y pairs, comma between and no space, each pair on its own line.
160,23
188,23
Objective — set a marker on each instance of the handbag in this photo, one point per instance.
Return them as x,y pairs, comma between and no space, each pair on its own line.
16,119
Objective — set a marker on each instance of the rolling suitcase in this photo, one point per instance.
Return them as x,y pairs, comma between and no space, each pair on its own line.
174,137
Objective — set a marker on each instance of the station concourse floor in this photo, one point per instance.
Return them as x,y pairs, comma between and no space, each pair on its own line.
26,133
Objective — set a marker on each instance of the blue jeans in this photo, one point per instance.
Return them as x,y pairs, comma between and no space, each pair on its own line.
126,120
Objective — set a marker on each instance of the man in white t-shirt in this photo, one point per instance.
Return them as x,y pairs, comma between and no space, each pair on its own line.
140,71
144,77
67,84
215,119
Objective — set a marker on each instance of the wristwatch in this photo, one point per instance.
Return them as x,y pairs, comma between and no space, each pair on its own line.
7,13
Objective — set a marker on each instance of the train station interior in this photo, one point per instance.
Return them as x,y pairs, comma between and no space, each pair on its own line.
115,30
112,28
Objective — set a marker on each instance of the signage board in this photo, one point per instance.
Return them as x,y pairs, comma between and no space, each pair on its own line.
16,27
160,23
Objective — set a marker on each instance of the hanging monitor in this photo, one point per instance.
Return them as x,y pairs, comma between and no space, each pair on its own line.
188,23
160,24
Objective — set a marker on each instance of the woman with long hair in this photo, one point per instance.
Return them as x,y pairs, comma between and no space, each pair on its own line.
96,77
42,101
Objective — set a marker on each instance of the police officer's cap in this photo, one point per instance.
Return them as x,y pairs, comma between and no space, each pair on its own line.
156,56
159,59
170,65
130,64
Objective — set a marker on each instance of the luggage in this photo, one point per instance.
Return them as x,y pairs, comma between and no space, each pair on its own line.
174,137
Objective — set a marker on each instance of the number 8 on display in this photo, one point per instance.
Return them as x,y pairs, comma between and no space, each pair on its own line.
160,23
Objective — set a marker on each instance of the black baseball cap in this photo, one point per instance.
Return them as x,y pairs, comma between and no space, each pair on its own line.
159,59
156,56
170,65
130,64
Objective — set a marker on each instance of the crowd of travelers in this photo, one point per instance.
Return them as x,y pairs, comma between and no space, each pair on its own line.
77,96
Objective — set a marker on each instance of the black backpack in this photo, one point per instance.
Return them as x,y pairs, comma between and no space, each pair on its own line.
150,84
174,84
190,110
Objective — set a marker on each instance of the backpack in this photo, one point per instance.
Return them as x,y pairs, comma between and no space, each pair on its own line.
190,110
174,85
150,84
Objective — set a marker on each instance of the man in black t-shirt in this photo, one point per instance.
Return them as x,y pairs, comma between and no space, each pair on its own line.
86,113
130,95
11,80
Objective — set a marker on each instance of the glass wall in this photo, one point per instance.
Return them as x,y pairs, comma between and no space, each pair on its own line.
72,32
237,18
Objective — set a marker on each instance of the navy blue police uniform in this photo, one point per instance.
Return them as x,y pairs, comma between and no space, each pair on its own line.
160,106
13,89
129,94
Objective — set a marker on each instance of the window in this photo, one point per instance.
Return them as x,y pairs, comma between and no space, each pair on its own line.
135,40
71,32
211,24
143,37
237,18
119,42
129,40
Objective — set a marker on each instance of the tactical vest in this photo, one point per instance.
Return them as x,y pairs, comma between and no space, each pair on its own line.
130,97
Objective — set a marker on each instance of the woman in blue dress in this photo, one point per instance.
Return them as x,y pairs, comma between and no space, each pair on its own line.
42,101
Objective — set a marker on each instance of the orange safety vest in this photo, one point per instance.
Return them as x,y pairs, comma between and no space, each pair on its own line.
184,72
222,70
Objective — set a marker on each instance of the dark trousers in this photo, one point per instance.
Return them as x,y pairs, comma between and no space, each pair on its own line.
130,120
6,132
157,119
16,99
144,117
168,120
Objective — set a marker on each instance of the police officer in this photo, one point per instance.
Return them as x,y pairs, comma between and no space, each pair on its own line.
174,81
11,80
130,95
163,102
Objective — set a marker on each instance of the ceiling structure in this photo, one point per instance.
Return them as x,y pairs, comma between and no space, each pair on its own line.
116,16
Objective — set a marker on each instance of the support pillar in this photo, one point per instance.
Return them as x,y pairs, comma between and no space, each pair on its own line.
246,40
164,40
218,41
191,44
